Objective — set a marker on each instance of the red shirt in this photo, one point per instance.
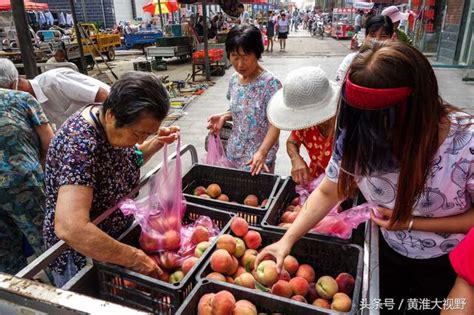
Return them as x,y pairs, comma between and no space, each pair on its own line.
462,258
319,148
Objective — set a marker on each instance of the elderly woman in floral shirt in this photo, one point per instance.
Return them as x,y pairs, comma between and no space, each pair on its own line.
254,141
92,163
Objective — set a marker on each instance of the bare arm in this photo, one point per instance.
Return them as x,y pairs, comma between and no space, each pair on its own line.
465,292
299,169
45,134
318,205
101,95
460,223
72,224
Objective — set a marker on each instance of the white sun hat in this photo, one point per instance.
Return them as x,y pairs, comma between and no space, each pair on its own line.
307,99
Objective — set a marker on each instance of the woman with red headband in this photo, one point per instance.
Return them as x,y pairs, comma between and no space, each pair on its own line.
410,153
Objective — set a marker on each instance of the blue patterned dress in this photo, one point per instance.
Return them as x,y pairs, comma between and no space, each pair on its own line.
21,178
80,155
248,104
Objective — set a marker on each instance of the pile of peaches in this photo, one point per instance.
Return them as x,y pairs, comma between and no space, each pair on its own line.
214,191
233,262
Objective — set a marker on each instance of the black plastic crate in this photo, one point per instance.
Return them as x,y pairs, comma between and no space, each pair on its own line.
150,294
265,302
234,183
286,193
328,258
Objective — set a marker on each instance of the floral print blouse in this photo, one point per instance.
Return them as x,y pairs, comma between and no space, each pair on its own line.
80,155
248,104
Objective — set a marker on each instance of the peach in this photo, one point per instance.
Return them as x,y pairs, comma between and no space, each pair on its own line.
285,216
322,303
295,201
267,273
299,286
148,243
229,280
307,272
341,302
284,275
201,248
223,303
223,197
292,217
244,307
169,260
200,234
213,190
177,276
239,227
312,293
239,248
290,208
239,271
282,288
299,298
291,264
205,196
326,287
345,283
245,280
158,224
221,261
252,239
205,304
165,276
188,264
172,240
216,276
173,223
264,203
251,200
199,190
227,242
233,268
284,225
298,208
248,259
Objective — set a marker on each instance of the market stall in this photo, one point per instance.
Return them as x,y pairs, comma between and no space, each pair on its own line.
343,23
110,289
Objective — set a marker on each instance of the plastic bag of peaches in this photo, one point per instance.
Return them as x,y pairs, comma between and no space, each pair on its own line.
161,212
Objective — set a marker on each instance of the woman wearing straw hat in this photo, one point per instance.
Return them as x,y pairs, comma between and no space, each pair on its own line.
410,153
306,106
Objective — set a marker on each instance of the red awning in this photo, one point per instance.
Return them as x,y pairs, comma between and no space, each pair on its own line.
29,5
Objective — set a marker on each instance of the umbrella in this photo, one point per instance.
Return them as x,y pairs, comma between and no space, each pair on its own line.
167,6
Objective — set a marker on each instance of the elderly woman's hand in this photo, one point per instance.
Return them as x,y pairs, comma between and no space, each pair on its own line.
257,163
215,123
168,134
382,219
145,265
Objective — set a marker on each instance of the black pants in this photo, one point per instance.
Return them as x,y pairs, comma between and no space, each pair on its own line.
413,280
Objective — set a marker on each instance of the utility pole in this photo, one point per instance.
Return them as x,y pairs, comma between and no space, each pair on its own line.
78,36
161,17
24,39
207,67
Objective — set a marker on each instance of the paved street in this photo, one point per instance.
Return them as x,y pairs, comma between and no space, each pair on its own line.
302,50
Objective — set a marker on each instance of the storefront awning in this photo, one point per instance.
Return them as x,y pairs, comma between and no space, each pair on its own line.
5,5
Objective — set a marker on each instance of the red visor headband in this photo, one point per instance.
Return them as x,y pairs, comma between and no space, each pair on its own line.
371,99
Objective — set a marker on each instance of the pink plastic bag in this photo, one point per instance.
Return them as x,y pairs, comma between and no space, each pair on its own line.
341,224
336,224
306,190
160,213
215,153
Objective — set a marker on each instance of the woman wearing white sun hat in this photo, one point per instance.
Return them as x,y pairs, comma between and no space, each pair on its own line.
396,16
306,105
